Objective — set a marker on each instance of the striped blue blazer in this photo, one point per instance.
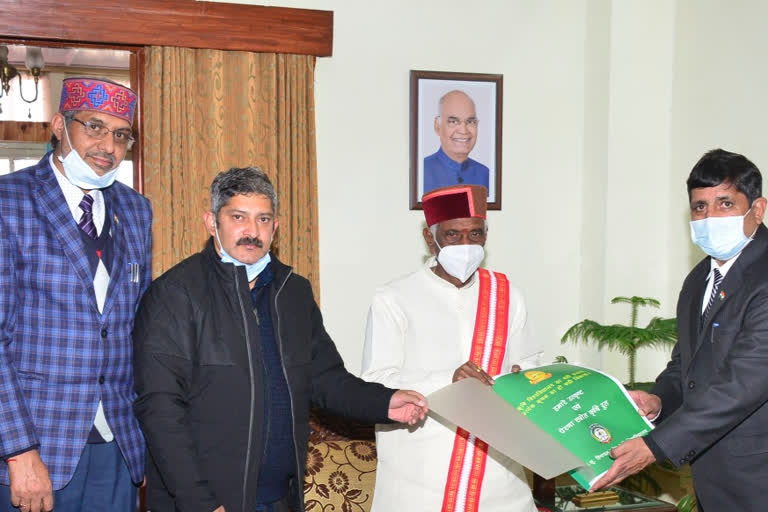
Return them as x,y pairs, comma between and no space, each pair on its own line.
58,354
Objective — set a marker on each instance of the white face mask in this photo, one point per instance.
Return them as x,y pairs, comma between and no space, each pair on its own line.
460,261
80,174
720,237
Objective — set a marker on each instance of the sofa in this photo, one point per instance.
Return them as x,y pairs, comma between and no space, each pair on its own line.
341,465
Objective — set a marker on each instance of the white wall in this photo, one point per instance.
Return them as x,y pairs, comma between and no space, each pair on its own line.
607,105
362,119
637,202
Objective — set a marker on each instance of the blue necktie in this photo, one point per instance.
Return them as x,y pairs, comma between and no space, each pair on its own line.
86,221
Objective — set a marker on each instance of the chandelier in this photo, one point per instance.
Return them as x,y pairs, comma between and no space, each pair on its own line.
33,61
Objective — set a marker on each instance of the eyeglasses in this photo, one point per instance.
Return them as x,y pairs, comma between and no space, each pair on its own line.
122,136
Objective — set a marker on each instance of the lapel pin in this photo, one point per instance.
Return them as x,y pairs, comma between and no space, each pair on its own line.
117,221
722,295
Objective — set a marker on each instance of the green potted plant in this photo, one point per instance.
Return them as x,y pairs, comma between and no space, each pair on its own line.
627,339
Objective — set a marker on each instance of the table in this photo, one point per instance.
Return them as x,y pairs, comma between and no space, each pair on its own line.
629,501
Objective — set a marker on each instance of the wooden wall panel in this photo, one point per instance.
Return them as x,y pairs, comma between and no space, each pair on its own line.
23,131
184,23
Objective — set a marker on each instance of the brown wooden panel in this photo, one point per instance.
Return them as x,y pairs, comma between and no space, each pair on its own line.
23,131
137,83
184,23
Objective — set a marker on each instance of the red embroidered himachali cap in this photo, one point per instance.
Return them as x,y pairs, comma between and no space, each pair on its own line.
98,95
454,202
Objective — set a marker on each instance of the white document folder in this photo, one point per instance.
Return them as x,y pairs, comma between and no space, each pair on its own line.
476,408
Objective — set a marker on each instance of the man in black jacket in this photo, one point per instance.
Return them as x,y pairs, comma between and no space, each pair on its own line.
711,401
230,352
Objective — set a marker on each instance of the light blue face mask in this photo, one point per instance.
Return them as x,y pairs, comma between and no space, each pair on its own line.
252,269
80,174
720,237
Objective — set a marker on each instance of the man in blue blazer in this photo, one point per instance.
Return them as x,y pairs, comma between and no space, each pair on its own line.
74,262
711,401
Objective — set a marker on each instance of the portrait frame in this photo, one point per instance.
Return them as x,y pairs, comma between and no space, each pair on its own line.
427,87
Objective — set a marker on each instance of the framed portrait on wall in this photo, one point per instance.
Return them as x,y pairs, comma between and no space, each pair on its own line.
455,130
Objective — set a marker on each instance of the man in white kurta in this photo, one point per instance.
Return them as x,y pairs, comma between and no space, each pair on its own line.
419,335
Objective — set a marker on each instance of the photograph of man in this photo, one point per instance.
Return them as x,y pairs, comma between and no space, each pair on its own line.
231,353
711,402
428,329
74,262
456,124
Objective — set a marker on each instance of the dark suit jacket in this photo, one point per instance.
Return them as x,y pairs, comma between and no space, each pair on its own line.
715,388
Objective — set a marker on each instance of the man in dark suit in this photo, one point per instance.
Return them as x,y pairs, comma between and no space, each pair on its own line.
74,262
711,401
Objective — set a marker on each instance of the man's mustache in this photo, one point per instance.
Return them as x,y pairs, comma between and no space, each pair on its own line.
250,240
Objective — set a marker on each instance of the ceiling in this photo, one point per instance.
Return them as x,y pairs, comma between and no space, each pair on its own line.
75,57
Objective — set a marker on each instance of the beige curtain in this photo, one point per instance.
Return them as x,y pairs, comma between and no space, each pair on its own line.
208,110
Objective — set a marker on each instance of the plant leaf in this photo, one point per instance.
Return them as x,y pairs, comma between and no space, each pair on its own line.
636,301
623,338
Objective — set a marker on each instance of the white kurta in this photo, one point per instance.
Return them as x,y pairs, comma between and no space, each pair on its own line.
420,330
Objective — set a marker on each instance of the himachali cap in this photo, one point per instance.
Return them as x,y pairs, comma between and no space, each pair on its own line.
98,95
454,202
